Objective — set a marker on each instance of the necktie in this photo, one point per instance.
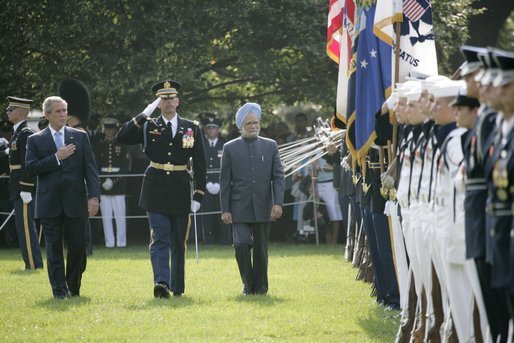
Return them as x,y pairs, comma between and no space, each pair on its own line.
58,140
169,127
212,144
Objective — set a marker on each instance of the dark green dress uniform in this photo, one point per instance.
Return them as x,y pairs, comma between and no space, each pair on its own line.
166,191
20,181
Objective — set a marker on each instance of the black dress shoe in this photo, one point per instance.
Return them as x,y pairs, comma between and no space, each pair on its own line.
177,294
246,291
160,290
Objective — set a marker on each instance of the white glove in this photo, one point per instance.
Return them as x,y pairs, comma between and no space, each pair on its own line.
391,102
344,163
4,142
26,197
208,186
195,206
6,151
216,188
107,184
387,181
150,108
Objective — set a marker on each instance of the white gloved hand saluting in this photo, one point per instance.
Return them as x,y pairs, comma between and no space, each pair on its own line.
3,142
26,197
195,206
150,108
107,184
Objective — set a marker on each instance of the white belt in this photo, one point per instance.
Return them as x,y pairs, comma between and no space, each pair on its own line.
110,169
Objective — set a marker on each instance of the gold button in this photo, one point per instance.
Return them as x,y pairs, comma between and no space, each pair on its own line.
168,173
169,154
171,144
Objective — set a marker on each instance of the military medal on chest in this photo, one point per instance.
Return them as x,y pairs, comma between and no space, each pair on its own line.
188,139
501,177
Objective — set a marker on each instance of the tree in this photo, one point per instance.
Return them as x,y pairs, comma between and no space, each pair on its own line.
224,52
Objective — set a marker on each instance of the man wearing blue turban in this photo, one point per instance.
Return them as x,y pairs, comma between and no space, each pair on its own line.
252,194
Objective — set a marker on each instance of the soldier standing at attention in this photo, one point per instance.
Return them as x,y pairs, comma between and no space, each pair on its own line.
169,141
21,185
214,230
112,159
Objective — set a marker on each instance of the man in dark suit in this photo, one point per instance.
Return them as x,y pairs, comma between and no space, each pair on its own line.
170,142
21,185
68,190
252,195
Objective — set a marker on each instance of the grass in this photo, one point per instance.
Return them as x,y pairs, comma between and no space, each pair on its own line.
313,297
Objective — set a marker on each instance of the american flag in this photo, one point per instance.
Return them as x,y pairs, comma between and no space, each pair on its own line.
414,9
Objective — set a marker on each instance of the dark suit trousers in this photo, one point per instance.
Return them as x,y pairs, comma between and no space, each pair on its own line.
73,232
246,236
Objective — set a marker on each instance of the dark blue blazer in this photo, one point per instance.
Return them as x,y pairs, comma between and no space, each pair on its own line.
65,187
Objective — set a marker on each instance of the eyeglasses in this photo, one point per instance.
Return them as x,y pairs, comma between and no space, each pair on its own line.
252,123
10,109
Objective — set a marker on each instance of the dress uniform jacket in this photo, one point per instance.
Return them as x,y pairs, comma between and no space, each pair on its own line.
213,158
500,199
252,179
112,158
475,153
20,181
165,190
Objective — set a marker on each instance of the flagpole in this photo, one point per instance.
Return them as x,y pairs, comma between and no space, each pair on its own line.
397,26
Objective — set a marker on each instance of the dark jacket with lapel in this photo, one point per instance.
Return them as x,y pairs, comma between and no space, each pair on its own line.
251,180
65,187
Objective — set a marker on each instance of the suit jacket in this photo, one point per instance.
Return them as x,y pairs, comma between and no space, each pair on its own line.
19,180
63,187
251,179
167,192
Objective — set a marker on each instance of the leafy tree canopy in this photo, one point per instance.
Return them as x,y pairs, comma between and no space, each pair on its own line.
224,52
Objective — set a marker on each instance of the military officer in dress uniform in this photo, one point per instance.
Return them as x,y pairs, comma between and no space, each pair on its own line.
112,159
21,185
214,230
170,142
501,185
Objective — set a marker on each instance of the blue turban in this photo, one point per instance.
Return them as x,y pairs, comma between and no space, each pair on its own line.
244,110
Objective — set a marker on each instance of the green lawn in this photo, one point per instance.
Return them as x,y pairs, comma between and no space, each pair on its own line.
313,297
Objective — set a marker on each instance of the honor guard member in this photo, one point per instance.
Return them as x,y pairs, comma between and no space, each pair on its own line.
170,142
112,159
214,230
474,148
21,185
501,185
